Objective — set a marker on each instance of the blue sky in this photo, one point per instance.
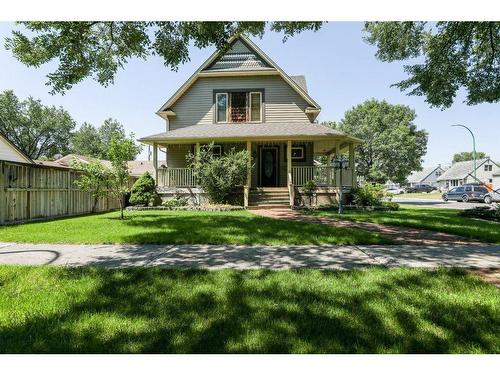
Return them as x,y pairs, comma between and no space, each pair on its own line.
340,68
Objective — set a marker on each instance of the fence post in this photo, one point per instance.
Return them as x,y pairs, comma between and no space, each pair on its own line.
3,202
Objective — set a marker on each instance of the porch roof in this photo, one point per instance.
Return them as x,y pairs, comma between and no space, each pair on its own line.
249,131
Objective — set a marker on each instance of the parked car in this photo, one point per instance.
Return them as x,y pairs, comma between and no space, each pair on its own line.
423,188
492,196
395,190
467,193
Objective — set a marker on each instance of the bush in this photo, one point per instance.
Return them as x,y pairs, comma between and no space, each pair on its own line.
368,195
485,213
392,206
143,191
176,201
219,175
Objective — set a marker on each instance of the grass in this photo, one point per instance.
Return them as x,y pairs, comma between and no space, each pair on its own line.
433,195
46,309
442,220
184,227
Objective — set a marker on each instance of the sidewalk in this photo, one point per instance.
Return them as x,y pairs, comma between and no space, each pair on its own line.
247,257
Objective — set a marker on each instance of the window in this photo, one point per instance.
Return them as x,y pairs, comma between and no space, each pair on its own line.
255,107
222,107
468,188
460,189
488,167
238,106
298,153
217,150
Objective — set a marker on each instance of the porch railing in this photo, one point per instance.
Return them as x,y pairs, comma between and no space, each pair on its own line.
176,177
321,175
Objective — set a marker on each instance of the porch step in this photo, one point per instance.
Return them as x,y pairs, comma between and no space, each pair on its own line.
272,197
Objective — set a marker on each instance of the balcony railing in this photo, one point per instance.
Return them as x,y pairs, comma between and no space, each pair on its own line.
176,177
321,175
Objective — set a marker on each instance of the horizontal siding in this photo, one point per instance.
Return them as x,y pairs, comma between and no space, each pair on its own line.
282,103
7,152
176,155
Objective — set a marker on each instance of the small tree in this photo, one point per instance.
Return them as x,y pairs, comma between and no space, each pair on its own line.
121,151
219,175
94,180
144,190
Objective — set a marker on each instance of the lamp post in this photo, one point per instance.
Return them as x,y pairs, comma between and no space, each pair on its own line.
473,147
338,165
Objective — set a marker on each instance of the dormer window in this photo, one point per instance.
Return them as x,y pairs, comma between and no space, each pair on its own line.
238,106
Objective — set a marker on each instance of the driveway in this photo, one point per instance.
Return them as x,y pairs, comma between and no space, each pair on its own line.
247,257
438,203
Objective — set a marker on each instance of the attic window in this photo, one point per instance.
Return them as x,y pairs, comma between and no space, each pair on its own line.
238,106
488,167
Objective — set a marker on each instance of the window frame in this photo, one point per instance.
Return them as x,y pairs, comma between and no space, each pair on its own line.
250,93
217,108
228,93
302,157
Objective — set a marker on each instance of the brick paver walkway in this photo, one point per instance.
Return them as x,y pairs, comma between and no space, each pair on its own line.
400,235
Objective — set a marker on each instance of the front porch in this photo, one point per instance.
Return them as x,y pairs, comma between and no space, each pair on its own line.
278,165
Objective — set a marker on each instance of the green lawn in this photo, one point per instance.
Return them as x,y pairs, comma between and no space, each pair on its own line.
48,309
433,195
438,219
184,227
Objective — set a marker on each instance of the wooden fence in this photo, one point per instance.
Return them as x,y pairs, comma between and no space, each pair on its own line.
30,192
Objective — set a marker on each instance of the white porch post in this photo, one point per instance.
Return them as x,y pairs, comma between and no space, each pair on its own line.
249,166
351,164
155,161
337,172
289,162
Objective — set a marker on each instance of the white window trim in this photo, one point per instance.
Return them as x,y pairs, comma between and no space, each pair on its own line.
302,150
217,107
219,147
250,106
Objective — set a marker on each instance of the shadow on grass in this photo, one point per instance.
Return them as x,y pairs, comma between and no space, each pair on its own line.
200,311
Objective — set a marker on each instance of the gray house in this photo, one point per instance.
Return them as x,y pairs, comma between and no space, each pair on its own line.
241,99
462,172
426,176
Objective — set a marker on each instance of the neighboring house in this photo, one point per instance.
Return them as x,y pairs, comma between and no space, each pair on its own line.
10,152
462,172
428,176
136,167
241,99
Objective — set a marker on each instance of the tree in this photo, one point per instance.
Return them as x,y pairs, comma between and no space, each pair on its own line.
121,151
38,130
94,180
98,49
95,142
465,156
452,56
392,147
143,191
219,175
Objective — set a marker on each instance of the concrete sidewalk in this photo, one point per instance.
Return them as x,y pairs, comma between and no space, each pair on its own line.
247,257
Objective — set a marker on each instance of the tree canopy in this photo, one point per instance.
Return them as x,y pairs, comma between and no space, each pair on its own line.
38,130
392,147
450,56
465,156
92,141
98,49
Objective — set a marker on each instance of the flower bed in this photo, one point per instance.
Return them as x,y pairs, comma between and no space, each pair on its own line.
212,208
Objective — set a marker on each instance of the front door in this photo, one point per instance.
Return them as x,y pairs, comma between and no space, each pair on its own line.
269,166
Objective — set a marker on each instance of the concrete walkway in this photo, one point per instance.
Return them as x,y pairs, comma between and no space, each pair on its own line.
246,257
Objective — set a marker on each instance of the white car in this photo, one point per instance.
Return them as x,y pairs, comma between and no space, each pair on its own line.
395,190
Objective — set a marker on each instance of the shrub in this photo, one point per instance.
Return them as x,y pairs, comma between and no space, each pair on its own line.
176,201
485,213
219,175
393,206
368,195
143,191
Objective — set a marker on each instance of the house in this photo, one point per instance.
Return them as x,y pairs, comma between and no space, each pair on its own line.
136,167
10,152
239,98
427,176
463,173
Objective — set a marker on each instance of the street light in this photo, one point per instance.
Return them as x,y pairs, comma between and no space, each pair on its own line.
338,165
473,147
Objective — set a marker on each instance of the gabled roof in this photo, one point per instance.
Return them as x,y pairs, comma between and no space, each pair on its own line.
239,61
461,169
16,149
419,176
